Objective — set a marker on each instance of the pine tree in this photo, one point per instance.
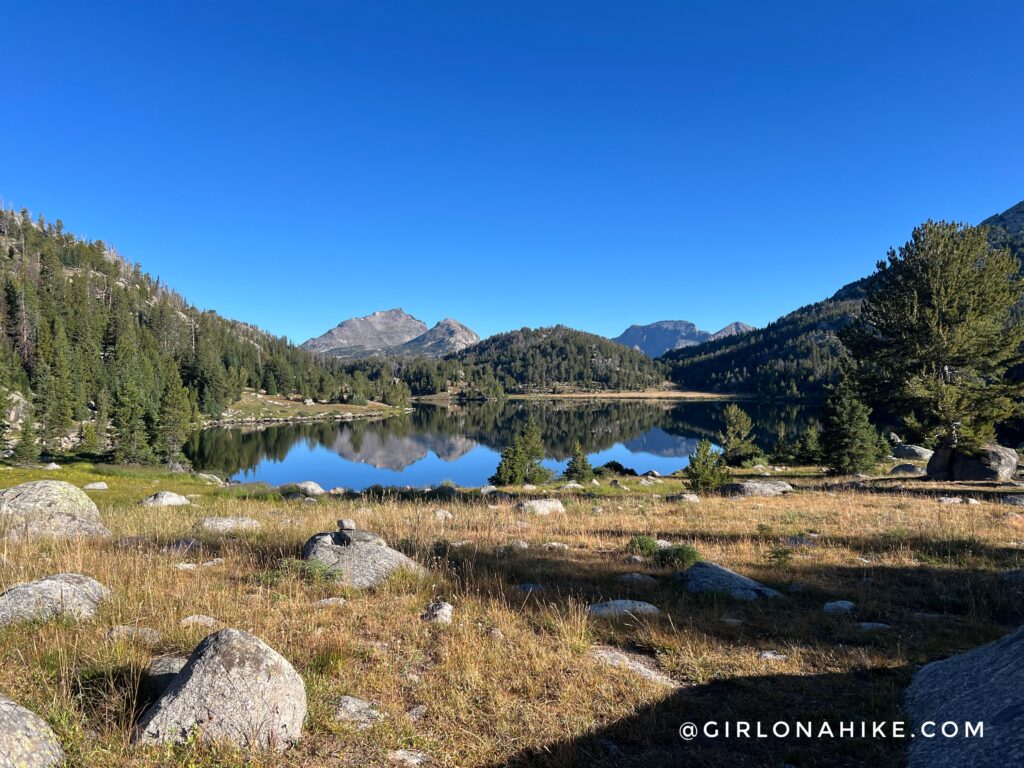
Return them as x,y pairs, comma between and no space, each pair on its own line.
707,470
175,419
127,415
849,444
521,461
26,450
808,447
737,445
579,469
938,333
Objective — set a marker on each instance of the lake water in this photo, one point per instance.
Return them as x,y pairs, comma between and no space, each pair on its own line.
463,443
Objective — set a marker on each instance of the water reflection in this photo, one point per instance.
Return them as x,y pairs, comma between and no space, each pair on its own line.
462,443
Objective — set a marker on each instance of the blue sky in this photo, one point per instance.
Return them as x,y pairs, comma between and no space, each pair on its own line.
510,163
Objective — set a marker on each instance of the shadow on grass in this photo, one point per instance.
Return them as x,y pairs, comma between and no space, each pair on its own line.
649,738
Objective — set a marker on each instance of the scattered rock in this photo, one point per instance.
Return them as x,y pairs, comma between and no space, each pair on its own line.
358,558
662,543
442,515
407,758
772,656
487,489
633,663
228,524
236,689
64,594
330,602
338,491
200,620
689,498
837,607
51,467
131,634
26,741
950,500
757,488
49,509
637,579
439,612
613,609
182,546
208,478
417,713
1014,500
710,577
572,487
907,470
556,546
166,499
982,685
307,488
873,626
359,712
97,486
541,506
518,545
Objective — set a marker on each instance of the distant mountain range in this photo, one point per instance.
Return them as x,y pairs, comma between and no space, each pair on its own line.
393,332
655,339
799,353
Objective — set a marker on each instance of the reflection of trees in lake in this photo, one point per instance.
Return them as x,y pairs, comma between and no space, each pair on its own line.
657,427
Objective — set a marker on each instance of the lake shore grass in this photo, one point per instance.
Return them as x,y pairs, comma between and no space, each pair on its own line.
512,680
256,407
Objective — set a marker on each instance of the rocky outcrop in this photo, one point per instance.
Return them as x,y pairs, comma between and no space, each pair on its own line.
357,558
710,577
990,462
984,685
26,741
65,594
907,470
49,509
234,689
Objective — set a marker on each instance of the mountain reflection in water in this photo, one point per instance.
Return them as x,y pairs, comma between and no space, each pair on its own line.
462,443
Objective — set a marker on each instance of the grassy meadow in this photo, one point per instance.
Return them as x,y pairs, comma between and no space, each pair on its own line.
511,680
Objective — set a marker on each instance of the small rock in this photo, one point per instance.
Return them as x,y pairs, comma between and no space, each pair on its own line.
165,499
200,620
907,470
710,577
621,608
49,509
51,467
873,626
442,515
616,658
839,607
439,612
638,579
757,488
127,633
407,758
571,487
307,488
97,486
556,546
330,602
541,506
357,711
228,524
487,489
772,656
417,713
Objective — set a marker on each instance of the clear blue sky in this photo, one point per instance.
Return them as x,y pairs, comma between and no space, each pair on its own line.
510,163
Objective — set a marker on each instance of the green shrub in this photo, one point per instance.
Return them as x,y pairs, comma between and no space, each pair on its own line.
642,545
678,556
706,471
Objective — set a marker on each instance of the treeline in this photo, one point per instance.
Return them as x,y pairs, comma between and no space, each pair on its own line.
107,358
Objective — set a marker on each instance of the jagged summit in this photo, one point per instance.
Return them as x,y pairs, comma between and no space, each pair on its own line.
392,331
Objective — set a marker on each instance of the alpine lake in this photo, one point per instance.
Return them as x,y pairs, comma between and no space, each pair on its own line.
462,443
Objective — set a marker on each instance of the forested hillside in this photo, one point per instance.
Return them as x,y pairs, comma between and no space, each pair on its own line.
560,358
108,357
797,354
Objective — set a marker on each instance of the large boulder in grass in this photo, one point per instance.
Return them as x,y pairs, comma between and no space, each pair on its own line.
756,488
234,689
989,462
26,741
710,577
357,558
914,452
49,509
984,685
69,595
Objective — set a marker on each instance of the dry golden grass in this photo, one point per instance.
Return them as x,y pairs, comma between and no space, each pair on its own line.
510,682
